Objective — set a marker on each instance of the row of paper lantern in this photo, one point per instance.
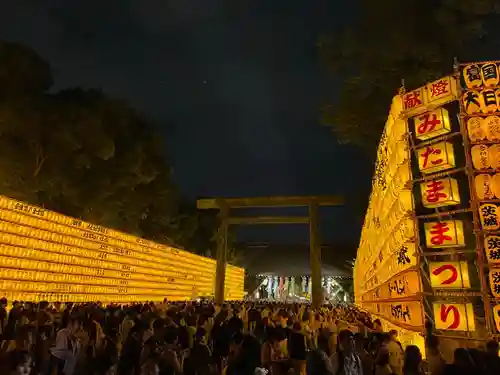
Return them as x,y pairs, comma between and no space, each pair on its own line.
486,157
480,129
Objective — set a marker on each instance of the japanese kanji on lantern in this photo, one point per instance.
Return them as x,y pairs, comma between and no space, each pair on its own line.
443,234
436,157
440,193
454,316
480,113
449,275
432,95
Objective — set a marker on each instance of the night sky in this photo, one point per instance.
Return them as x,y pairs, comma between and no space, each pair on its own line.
235,87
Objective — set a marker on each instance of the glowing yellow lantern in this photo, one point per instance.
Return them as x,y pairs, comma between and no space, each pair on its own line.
488,101
444,234
489,215
472,76
476,129
471,101
440,193
495,282
492,248
480,157
413,100
436,157
496,316
489,74
492,128
483,186
454,317
432,124
441,91
449,275
494,156
495,185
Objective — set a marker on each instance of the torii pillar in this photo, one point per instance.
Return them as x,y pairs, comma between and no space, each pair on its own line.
224,205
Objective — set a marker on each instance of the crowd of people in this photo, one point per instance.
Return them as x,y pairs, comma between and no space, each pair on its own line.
201,338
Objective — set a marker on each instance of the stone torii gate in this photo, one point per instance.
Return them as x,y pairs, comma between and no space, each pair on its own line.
225,205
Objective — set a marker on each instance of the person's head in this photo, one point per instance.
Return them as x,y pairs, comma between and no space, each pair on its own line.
200,335
393,335
158,327
248,356
413,357
318,363
75,324
236,342
492,347
171,336
359,343
462,358
346,340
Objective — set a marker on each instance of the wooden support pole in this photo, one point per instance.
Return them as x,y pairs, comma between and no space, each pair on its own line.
220,276
315,257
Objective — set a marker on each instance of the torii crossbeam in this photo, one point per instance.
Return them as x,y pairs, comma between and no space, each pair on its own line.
225,205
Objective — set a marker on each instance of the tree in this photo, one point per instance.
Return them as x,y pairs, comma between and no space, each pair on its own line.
414,40
81,153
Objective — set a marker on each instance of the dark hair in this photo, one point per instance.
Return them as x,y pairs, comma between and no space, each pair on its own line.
247,359
413,359
492,346
318,364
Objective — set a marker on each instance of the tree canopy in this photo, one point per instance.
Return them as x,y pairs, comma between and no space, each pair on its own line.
392,40
84,154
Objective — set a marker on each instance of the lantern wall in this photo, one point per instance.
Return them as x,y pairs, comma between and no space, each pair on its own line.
46,256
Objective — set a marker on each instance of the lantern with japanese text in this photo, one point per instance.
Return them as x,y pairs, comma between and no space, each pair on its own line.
454,317
444,234
492,248
436,157
432,124
440,193
449,275
476,129
480,157
489,214
483,185
491,126
494,278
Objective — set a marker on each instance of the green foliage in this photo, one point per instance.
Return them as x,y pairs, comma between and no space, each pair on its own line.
83,154
414,40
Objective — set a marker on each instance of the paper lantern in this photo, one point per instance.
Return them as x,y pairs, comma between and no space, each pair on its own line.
472,76
413,100
454,317
494,156
489,74
436,157
432,124
480,157
449,275
472,101
492,248
488,101
483,186
441,91
495,185
489,215
444,234
492,128
496,316
494,279
440,193
476,129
